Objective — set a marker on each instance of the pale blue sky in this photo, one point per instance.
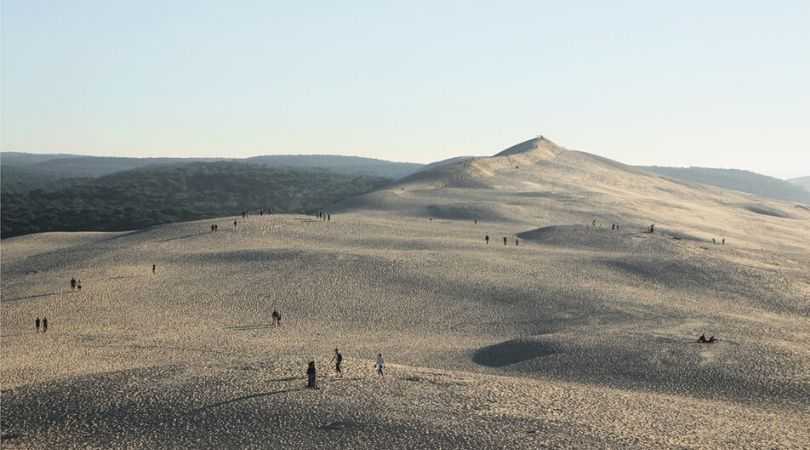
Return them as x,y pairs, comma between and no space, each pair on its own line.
710,83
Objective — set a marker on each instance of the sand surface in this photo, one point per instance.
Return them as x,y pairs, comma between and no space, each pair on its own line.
580,337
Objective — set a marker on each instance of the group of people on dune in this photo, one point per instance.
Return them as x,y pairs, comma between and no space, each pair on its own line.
312,372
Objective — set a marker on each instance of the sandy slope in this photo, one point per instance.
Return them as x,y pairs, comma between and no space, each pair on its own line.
576,338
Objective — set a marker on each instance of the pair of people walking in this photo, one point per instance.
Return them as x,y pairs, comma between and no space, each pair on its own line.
41,323
338,360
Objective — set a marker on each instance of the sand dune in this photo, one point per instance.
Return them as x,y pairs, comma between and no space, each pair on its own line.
580,337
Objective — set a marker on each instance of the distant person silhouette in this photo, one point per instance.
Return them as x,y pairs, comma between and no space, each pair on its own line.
516,242
36,323
723,241
72,283
328,217
504,240
153,269
338,359
311,376
486,238
234,224
44,324
380,365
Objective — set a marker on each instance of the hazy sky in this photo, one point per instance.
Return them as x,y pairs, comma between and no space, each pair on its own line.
709,83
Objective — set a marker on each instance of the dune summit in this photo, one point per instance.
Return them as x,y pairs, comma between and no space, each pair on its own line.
577,331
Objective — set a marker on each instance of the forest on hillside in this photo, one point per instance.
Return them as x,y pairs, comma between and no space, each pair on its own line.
154,195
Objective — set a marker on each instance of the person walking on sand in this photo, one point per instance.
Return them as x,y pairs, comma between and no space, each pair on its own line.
504,240
153,269
44,324
517,242
380,365
234,224
72,283
312,376
338,359
486,239
36,323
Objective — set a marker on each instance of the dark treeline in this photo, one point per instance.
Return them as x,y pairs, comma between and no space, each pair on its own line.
149,196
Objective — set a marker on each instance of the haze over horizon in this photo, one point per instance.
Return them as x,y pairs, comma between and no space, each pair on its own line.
720,85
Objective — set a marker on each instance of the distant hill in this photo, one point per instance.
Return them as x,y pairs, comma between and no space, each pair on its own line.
738,180
347,165
801,181
153,195
25,171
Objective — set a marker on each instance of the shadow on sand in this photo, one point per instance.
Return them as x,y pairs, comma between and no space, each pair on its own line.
29,297
258,326
187,236
239,399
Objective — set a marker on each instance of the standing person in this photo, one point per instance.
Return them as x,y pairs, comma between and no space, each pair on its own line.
44,324
72,283
153,269
723,241
328,217
36,323
312,376
486,238
338,359
380,365
504,240
516,242
234,224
